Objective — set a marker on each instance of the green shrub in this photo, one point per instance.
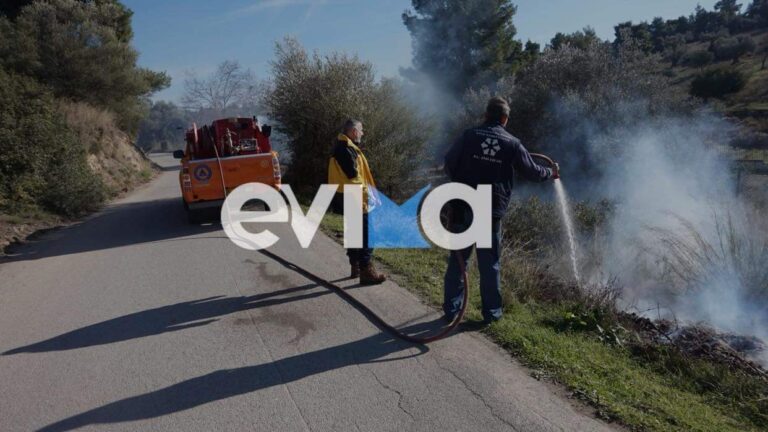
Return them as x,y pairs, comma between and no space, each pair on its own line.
733,48
570,98
313,95
698,58
41,163
718,82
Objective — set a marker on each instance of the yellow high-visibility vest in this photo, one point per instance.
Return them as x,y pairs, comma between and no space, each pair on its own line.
364,177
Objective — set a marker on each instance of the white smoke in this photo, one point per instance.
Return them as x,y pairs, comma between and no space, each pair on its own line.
680,239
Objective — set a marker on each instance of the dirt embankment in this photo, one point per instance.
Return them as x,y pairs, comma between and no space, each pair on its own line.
111,155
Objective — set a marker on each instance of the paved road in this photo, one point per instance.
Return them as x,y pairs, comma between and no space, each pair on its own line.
136,320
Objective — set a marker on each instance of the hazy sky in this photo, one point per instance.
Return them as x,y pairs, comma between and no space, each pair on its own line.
195,35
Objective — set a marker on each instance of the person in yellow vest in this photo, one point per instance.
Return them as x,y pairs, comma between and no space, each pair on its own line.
348,165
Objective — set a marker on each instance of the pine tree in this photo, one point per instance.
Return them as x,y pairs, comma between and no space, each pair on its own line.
728,9
464,44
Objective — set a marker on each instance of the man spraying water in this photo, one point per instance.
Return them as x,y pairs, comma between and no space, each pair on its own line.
487,154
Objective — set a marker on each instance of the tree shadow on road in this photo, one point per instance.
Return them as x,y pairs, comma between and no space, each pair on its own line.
226,383
164,319
116,226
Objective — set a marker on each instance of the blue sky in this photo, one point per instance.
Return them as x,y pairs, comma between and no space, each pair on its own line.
195,35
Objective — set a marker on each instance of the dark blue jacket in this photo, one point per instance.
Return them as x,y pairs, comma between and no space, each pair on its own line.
488,154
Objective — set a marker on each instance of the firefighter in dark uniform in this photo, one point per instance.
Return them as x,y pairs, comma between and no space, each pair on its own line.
348,165
487,154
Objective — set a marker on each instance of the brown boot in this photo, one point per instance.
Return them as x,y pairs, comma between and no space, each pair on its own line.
369,276
354,272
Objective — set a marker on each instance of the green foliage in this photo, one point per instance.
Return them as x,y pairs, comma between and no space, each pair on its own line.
728,9
563,97
646,387
718,82
71,187
596,321
464,44
702,25
313,95
758,10
82,51
732,48
698,58
582,39
640,34
11,8
533,226
164,128
41,164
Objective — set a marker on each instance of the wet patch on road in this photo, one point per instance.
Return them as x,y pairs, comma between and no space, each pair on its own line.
288,320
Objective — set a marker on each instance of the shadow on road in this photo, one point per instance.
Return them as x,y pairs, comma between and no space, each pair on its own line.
164,319
116,226
227,383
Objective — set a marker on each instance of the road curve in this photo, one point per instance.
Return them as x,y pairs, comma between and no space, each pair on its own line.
136,320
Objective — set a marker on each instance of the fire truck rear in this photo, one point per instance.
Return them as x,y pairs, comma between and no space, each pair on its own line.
220,157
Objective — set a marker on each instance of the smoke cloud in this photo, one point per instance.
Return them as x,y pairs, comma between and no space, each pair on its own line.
680,241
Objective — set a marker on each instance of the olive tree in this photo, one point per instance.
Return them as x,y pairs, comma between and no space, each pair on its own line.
310,97
569,94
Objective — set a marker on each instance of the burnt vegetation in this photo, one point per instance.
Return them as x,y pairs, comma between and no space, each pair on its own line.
587,100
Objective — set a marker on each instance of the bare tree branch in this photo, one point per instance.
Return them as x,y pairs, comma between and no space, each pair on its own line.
229,86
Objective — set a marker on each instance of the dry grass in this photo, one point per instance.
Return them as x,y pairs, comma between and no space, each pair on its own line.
95,128
111,154
737,252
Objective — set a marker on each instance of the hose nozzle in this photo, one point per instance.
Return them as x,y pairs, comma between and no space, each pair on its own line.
554,166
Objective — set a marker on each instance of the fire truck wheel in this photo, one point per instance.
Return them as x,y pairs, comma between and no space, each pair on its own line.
195,216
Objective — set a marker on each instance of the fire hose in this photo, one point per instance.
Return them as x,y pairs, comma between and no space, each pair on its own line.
552,164
357,303
362,307
380,322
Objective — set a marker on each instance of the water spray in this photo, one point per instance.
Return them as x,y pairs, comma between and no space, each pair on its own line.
562,200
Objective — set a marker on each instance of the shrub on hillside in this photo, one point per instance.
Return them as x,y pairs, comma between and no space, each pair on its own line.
312,95
562,100
718,82
732,48
41,163
698,58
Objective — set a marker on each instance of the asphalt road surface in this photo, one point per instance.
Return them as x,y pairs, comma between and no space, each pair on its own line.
136,320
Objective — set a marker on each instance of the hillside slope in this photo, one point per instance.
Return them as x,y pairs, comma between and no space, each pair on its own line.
750,104
111,155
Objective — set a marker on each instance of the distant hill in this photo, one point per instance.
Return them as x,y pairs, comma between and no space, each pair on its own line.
719,55
750,104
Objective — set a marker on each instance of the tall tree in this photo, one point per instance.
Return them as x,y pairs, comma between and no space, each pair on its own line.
120,22
581,39
81,49
164,128
758,9
311,97
728,9
463,44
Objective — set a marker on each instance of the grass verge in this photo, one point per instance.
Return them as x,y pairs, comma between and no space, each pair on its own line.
645,387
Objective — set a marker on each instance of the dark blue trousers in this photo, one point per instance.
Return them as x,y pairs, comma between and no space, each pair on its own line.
356,256
490,280
361,256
